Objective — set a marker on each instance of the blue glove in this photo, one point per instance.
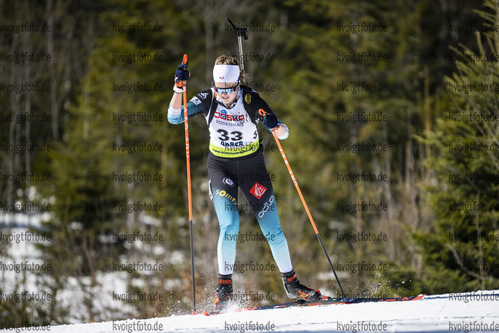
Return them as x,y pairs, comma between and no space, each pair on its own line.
270,121
181,74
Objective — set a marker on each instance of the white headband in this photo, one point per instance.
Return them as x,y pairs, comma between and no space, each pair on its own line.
226,73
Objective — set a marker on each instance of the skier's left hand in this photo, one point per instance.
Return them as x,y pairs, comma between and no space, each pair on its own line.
270,121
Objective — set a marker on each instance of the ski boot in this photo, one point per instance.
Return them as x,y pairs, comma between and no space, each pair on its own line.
295,290
223,292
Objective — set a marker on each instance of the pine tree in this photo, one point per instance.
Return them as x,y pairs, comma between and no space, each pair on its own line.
461,248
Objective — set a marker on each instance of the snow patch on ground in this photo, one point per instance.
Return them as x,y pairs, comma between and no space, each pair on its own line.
465,312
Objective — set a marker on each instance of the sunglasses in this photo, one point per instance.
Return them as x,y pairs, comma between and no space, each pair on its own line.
225,90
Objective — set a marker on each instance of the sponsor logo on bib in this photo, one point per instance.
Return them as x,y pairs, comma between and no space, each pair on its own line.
228,117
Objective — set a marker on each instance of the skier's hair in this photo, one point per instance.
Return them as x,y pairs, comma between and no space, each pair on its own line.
230,60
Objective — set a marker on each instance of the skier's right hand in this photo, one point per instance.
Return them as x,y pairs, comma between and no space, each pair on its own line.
181,74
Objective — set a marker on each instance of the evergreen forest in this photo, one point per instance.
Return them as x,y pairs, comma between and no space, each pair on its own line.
393,112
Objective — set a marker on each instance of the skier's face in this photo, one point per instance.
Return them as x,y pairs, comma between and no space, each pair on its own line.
227,91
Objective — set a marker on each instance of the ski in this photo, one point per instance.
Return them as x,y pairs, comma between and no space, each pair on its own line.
324,301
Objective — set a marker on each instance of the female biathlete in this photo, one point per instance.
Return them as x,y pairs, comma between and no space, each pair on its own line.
231,111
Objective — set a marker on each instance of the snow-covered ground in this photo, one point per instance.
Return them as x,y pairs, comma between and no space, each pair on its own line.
466,312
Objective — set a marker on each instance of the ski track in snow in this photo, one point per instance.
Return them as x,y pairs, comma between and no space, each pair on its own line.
465,312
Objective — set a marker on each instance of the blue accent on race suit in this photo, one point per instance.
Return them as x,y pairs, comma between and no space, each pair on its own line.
228,217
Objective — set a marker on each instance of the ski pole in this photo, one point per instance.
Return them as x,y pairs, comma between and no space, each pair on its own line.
189,193
263,113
